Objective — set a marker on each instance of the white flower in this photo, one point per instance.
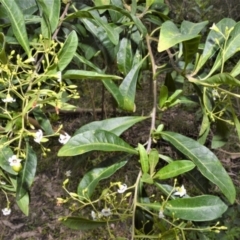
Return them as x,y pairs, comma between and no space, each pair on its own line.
122,188
2,183
68,173
38,136
161,215
106,212
14,161
9,99
181,191
64,138
6,211
94,216
59,76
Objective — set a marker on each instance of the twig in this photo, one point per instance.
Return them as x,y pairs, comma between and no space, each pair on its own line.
154,109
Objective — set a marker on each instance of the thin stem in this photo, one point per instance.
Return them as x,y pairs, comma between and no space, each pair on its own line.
154,109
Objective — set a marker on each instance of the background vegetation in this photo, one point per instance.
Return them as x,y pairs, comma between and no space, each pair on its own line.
158,82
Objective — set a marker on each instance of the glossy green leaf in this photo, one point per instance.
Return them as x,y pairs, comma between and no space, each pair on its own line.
3,56
200,209
174,169
211,45
143,158
17,23
53,12
91,179
163,96
23,204
82,74
28,7
124,56
68,50
95,140
153,159
190,48
113,125
79,223
114,90
45,23
192,28
205,160
128,85
120,10
170,35
27,174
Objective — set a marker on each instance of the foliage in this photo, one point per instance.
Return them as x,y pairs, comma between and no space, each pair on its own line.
43,53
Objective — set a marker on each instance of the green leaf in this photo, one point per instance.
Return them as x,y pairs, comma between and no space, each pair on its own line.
113,125
95,140
124,56
82,74
174,169
28,7
68,50
79,223
143,158
221,78
3,56
163,96
220,137
211,46
192,28
53,12
153,160
27,174
45,23
190,48
91,179
232,47
205,128
205,160
128,85
43,120
17,23
236,123
23,204
170,35
5,154
146,178
200,209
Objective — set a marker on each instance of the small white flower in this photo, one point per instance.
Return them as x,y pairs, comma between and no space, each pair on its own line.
9,99
14,161
68,173
2,183
122,188
6,211
59,76
161,215
38,136
181,191
64,138
106,212
94,216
